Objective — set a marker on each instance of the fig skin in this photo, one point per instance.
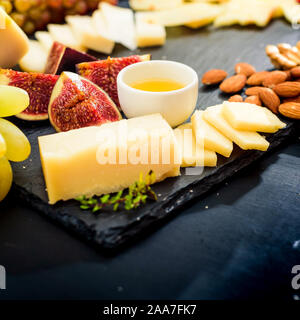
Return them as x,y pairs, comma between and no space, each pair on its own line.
77,102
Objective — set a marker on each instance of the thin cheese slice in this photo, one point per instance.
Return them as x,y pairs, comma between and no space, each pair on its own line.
35,59
120,24
108,158
291,11
250,117
86,32
193,154
45,39
148,34
13,41
154,5
63,33
192,14
210,137
246,140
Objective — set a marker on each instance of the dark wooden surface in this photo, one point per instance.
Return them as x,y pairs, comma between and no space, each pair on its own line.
236,242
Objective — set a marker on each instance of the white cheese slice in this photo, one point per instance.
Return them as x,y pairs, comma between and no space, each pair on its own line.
148,34
120,23
35,59
87,34
154,4
246,140
45,39
108,158
13,41
63,33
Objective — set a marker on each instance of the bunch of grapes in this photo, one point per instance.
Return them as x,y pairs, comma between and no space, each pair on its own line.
32,15
14,146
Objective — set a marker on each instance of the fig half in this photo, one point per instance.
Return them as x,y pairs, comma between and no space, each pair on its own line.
77,102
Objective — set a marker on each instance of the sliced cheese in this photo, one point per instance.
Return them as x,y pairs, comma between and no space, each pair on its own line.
120,24
108,158
63,33
148,34
244,139
193,154
87,34
45,39
244,12
35,59
154,5
13,41
209,136
192,14
250,117
291,11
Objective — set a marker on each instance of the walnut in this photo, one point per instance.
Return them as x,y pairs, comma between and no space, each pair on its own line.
284,56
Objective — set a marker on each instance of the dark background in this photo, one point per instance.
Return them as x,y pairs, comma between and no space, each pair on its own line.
237,242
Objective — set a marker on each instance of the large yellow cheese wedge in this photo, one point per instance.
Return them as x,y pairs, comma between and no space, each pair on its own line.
250,117
63,33
209,136
87,33
108,158
148,34
13,41
244,139
192,14
193,154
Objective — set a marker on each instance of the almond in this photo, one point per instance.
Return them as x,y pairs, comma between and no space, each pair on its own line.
288,89
257,78
236,98
214,76
244,68
274,78
233,84
288,74
295,99
253,100
269,99
253,91
295,72
290,110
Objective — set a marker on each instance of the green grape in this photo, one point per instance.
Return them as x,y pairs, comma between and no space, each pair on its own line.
2,146
22,5
13,100
6,177
18,146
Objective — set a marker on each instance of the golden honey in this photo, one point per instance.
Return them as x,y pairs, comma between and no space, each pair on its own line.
157,85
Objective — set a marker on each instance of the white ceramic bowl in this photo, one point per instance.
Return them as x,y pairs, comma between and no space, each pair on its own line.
175,106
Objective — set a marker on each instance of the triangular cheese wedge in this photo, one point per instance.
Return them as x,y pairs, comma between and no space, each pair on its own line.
246,140
35,59
154,5
209,136
44,39
193,154
250,117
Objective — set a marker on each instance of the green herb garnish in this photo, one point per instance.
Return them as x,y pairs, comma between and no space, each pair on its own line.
130,198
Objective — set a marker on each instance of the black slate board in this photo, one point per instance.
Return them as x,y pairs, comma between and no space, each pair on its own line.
202,50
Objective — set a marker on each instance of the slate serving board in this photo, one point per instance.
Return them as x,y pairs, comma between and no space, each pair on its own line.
201,49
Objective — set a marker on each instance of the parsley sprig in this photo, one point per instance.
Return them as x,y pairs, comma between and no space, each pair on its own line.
130,198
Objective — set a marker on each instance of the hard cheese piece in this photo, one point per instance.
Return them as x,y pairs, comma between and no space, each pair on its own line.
209,136
107,158
120,23
193,154
244,139
249,117
291,11
63,34
87,34
148,34
44,39
245,12
154,4
13,41
35,59
192,14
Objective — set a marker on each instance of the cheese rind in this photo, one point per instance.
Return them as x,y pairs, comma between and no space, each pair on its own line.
13,41
193,154
250,117
246,140
208,135
99,160
86,32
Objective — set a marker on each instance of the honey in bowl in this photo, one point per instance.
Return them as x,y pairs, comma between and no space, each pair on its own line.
157,85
